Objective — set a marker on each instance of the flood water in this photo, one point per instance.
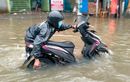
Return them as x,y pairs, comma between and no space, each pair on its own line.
114,68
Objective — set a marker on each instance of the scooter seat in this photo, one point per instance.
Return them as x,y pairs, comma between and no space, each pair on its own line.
66,44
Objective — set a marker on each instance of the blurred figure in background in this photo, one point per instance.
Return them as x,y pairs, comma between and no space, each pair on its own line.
36,5
81,9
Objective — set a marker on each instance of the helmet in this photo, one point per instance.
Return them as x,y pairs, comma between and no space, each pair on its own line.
54,18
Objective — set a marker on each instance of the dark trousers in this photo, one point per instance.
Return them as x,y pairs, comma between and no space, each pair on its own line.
27,48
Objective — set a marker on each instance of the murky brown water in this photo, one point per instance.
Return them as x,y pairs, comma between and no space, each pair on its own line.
116,33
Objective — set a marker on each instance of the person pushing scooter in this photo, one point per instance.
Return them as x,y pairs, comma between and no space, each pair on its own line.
39,35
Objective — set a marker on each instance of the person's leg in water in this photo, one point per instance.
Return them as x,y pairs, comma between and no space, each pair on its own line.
29,48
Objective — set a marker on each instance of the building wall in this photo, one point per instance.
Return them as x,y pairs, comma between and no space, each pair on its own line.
3,6
20,5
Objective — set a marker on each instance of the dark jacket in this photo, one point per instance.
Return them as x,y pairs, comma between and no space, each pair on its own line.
39,34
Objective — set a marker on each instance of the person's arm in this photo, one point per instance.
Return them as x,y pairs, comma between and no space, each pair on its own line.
65,27
41,38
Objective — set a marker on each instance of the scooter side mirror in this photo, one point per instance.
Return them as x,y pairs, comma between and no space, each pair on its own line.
93,31
87,23
75,30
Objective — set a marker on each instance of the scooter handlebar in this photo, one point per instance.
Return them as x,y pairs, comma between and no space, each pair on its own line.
87,26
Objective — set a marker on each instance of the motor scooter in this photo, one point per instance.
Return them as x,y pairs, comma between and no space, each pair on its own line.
53,53
61,53
93,45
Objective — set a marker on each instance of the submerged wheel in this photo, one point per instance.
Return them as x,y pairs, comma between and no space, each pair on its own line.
104,51
30,66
